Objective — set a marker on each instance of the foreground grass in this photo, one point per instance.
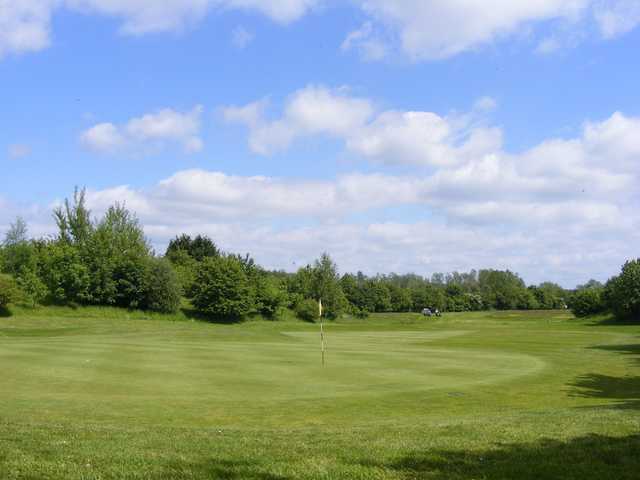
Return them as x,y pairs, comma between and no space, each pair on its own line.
102,393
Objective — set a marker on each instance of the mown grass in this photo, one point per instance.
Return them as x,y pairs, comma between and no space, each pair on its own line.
100,393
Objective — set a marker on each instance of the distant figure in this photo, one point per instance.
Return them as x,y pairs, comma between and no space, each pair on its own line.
437,312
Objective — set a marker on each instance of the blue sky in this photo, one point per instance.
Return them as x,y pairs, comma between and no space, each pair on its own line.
408,136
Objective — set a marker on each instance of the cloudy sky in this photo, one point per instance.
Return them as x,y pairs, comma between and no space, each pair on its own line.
405,135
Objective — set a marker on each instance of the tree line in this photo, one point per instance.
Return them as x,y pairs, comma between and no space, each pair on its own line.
108,261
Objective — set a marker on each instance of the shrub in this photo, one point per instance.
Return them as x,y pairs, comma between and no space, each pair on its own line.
222,289
270,297
588,301
623,292
161,287
307,310
33,290
64,273
8,291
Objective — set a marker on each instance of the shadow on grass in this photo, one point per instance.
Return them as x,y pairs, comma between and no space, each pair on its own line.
193,314
217,469
624,349
612,320
624,391
593,457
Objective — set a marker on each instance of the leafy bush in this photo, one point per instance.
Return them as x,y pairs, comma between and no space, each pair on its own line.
623,292
161,287
270,297
307,310
33,290
64,273
222,289
8,291
588,301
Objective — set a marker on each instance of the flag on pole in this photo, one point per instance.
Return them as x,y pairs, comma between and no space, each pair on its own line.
321,329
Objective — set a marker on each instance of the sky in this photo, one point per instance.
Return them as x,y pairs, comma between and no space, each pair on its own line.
399,136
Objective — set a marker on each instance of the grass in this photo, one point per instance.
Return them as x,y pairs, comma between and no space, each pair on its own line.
98,393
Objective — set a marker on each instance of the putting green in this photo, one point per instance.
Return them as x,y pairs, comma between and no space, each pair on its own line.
61,372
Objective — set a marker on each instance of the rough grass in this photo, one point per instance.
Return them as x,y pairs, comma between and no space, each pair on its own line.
99,393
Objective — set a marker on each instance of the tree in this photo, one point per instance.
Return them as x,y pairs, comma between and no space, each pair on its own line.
503,290
8,291
115,256
622,293
307,310
198,248
222,288
74,219
271,297
325,286
17,233
161,286
588,301
64,273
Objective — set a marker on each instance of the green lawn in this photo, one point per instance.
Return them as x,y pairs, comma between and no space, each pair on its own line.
102,394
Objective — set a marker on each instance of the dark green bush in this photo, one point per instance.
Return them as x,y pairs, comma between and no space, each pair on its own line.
622,293
8,291
161,287
588,301
307,310
222,289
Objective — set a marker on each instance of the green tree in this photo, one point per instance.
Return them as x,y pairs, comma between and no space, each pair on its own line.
222,288
64,273
74,219
325,286
8,291
161,286
197,248
622,293
116,255
588,301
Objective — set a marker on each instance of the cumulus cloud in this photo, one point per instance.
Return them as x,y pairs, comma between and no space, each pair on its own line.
25,25
148,132
421,29
314,110
565,210
390,137
437,29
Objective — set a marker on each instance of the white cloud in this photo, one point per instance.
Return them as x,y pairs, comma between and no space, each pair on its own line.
311,111
565,210
364,40
437,29
616,17
241,37
390,137
18,150
149,132
25,24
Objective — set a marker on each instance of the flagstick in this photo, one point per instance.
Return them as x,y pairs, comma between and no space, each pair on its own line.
321,329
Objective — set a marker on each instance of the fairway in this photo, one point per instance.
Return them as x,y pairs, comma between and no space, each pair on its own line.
98,393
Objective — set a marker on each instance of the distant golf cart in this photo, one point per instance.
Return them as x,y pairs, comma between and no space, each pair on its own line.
428,312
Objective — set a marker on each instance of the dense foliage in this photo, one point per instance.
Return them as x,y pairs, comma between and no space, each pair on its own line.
622,293
103,262
108,261
8,291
